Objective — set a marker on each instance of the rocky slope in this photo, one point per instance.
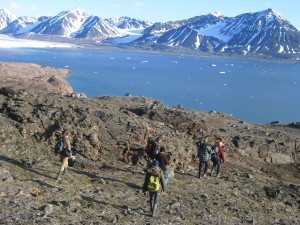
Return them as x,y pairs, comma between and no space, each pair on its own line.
260,183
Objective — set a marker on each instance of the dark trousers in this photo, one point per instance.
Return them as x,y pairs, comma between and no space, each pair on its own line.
203,166
154,198
216,167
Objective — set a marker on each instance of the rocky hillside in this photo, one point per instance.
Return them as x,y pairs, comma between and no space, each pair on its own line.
260,183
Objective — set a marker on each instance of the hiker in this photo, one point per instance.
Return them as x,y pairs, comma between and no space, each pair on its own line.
65,154
163,163
217,157
155,147
204,154
154,183
152,148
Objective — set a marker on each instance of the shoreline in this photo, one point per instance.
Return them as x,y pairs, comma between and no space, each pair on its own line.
93,45
57,84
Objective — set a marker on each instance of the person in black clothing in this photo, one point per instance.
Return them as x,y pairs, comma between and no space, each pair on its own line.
163,163
155,147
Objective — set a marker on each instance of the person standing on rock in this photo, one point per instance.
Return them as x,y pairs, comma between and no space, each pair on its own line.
65,154
204,154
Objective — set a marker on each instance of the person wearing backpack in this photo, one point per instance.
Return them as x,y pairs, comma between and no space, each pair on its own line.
154,183
65,154
155,147
204,154
152,149
217,157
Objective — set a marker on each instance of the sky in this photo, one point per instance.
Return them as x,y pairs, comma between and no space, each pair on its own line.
154,10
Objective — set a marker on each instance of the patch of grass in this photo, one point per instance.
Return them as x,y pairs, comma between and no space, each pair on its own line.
126,179
124,219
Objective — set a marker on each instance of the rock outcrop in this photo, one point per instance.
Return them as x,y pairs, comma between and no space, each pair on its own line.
33,76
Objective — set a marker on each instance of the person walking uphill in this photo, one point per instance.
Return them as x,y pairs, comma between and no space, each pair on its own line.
204,154
156,147
217,157
65,154
154,183
163,163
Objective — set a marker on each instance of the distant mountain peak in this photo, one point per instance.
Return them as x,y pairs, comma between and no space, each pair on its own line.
271,12
6,17
79,10
216,14
7,13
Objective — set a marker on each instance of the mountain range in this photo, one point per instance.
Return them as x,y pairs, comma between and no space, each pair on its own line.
260,33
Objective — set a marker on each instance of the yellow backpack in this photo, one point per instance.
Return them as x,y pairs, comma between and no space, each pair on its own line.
153,184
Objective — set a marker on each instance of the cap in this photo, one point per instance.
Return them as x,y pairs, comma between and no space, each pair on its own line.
155,163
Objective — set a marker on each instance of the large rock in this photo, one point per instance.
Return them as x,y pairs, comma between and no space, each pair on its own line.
34,77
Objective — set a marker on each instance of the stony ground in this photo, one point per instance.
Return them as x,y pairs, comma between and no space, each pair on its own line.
260,183
94,193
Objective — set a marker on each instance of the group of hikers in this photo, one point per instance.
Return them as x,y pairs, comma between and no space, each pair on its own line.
157,171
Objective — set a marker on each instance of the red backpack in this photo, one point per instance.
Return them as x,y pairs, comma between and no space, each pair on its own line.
150,145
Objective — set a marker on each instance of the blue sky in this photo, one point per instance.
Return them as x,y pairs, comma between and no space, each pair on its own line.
154,10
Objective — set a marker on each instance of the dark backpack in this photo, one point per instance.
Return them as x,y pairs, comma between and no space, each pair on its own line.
59,146
150,146
215,157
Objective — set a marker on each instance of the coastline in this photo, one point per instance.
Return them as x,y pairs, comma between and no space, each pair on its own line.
28,42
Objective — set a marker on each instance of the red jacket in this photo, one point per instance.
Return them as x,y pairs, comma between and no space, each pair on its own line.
222,154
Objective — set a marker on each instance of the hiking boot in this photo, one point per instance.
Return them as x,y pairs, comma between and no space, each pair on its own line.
59,176
211,173
204,175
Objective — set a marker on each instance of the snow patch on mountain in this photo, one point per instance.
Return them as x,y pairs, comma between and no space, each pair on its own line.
6,17
214,30
128,37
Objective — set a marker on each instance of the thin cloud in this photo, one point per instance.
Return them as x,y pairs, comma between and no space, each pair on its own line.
15,5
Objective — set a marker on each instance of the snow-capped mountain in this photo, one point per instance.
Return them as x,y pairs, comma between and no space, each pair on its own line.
20,25
64,24
129,23
265,32
96,28
262,32
6,17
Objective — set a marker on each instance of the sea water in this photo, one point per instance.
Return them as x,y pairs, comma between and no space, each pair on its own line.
251,90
